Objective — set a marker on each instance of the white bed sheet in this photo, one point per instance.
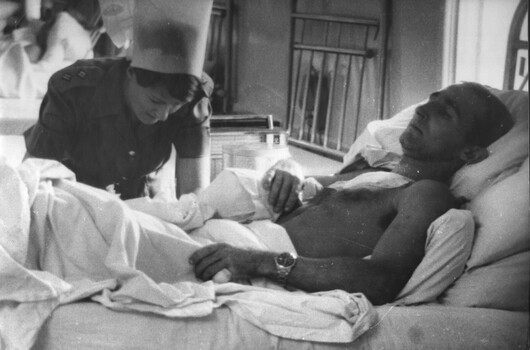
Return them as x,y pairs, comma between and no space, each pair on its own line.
17,115
12,149
89,326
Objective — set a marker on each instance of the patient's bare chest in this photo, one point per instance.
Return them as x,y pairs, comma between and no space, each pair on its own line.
342,222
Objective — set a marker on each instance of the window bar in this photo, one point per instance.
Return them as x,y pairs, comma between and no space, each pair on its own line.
525,80
298,68
351,52
304,102
337,19
361,81
332,90
383,44
344,99
316,106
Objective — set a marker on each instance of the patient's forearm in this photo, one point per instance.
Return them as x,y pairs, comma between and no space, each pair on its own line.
353,275
328,180
380,284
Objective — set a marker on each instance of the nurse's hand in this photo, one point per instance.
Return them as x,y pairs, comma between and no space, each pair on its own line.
284,182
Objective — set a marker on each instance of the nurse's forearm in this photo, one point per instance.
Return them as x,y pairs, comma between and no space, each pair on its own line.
192,174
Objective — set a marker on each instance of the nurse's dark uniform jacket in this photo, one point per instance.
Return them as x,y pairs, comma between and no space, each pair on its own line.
84,123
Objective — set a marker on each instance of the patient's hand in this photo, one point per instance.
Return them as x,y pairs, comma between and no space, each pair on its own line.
284,183
225,262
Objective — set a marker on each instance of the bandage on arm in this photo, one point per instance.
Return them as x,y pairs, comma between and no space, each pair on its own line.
310,188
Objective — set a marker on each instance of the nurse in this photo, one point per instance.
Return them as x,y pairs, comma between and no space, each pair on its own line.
113,121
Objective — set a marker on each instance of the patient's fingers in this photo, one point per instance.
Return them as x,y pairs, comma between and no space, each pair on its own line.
277,184
208,266
284,192
209,272
202,258
203,252
293,198
266,180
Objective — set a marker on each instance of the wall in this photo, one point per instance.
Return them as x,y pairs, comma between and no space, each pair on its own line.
415,56
415,52
262,54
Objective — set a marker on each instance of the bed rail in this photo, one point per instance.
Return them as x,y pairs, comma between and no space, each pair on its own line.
333,60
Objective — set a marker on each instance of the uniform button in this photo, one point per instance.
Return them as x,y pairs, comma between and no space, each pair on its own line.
132,154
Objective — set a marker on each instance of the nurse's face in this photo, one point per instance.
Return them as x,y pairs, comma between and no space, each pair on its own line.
150,104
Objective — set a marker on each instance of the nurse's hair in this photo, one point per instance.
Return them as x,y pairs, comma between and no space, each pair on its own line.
184,87
491,125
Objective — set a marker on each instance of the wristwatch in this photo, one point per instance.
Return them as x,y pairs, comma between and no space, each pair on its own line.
284,264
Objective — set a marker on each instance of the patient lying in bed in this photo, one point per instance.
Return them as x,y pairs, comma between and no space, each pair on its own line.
387,219
83,242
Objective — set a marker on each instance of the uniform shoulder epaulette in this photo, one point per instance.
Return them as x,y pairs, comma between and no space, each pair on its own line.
77,75
207,84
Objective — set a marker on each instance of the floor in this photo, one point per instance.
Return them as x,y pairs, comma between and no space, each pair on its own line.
314,164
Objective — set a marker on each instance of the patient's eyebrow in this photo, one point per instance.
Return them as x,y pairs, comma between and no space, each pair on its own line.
447,99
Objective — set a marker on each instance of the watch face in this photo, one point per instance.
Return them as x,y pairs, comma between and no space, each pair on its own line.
285,259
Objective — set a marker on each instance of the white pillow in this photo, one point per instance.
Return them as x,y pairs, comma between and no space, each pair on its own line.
379,146
447,248
501,213
501,285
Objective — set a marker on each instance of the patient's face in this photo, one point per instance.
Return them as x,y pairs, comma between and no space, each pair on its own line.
439,127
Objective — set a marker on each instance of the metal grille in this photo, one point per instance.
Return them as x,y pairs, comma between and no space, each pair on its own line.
337,79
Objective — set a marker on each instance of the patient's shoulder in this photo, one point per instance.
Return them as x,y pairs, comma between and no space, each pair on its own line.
426,195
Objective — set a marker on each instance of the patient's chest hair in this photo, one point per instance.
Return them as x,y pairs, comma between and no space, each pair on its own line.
344,222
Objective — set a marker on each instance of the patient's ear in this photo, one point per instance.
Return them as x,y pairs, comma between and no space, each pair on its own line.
473,154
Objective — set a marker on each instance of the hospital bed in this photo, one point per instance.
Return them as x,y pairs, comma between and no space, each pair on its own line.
486,307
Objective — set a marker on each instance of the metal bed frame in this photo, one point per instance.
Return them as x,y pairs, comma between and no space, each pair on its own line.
315,91
516,60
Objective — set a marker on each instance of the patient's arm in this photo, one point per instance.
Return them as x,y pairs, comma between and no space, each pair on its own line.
394,258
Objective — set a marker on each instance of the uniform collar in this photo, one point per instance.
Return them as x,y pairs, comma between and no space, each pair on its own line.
108,98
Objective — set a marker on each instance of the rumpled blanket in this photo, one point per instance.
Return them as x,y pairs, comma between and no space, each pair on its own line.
21,78
61,241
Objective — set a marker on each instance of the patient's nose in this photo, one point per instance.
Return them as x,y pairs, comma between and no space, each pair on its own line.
421,112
